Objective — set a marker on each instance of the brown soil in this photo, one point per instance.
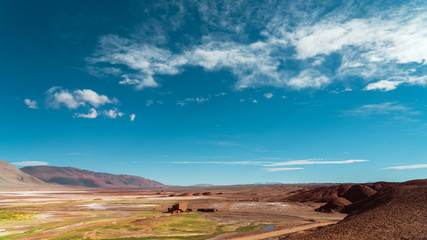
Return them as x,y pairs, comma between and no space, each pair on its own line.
335,205
186,194
396,212
358,192
320,194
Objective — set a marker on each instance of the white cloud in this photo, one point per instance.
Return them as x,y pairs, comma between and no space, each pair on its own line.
56,97
277,164
220,94
91,114
281,169
189,100
91,97
372,46
225,163
393,83
132,117
415,166
149,102
30,163
31,103
383,85
268,95
113,113
251,63
314,161
225,143
128,81
391,36
381,109
308,79
254,101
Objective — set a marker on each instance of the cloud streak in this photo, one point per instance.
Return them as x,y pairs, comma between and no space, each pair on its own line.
275,166
314,161
281,169
385,108
30,163
405,167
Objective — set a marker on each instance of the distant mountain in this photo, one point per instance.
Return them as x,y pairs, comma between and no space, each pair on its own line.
70,176
12,177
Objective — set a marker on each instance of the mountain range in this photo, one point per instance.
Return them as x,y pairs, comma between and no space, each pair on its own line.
70,176
53,177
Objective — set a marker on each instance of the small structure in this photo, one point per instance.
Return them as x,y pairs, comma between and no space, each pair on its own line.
178,208
207,210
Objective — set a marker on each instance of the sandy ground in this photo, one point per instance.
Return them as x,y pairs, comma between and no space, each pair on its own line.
281,232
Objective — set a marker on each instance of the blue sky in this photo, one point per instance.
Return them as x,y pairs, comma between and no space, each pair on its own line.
220,92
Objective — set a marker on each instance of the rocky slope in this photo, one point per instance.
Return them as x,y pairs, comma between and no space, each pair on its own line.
12,177
397,211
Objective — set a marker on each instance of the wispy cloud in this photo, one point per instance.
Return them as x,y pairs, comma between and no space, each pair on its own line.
313,161
31,103
379,44
415,166
268,95
393,82
274,165
381,109
309,79
222,163
30,163
190,100
281,169
225,143
75,154
151,102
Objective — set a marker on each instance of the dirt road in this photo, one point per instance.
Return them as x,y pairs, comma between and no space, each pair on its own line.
282,231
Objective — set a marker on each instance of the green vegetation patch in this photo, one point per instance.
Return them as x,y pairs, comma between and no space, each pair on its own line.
16,215
186,223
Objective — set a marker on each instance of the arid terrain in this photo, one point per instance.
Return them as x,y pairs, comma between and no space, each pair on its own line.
122,214
33,209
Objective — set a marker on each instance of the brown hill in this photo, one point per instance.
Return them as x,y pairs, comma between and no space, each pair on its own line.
320,194
358,192
12,177
395,212
70,176
335,205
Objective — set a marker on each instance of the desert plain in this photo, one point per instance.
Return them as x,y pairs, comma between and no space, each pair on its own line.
244,212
